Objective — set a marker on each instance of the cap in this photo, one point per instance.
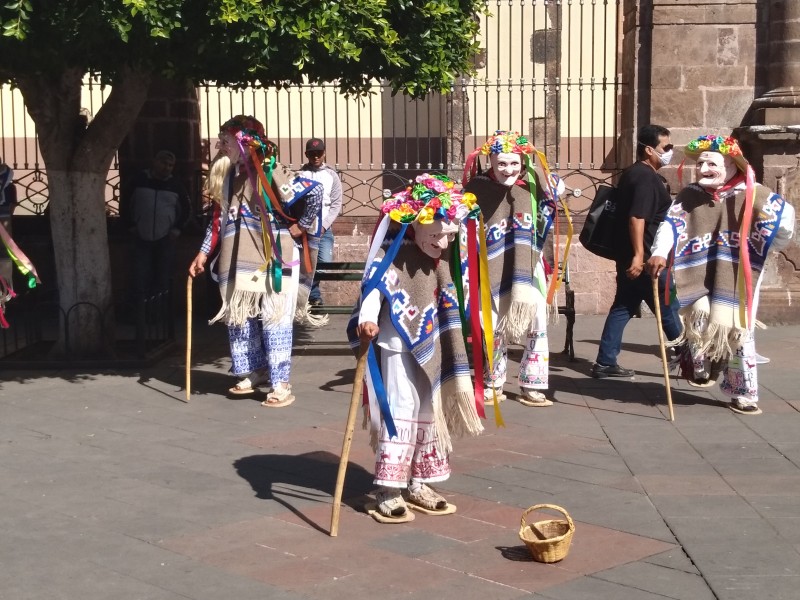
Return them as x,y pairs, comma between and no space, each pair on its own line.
315,145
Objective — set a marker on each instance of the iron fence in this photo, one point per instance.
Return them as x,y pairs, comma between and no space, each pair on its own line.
547,68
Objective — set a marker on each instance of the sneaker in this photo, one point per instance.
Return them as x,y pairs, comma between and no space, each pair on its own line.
315,302
761,360
390,502
602,371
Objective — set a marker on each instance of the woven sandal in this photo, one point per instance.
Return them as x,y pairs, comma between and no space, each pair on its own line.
488,397
533,398
249,384
744,409
279,397
390,503
426,498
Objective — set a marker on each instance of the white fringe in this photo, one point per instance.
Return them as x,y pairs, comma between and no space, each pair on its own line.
241,306
704,337
516,323
304,316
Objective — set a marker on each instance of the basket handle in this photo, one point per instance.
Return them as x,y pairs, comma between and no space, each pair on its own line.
523,524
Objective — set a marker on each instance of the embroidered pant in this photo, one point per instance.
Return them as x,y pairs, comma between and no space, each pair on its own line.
256,346
415,451
739,374
535,363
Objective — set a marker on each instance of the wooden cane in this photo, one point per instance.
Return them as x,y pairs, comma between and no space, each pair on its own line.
189,281
661,343
355,401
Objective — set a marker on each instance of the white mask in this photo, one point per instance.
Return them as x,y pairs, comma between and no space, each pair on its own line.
506,167
229,146
666,157
433,238
714,170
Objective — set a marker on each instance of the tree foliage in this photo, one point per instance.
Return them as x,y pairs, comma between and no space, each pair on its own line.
418,47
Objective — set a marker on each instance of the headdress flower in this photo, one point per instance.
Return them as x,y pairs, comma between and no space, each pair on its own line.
727,146
429,198
249,132
507,142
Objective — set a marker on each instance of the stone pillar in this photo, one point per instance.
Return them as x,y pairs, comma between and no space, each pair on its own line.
770,139
780,104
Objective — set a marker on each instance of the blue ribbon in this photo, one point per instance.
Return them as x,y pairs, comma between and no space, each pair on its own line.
375,278
380,392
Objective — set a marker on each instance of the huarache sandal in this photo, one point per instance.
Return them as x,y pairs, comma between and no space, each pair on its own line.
488,397
426,500
744,409
249,384
533,398
279,397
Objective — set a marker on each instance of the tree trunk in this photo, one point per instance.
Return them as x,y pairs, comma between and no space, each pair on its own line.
77,159
458,129
83,267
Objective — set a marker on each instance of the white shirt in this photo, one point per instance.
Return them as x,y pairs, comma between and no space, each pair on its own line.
332,192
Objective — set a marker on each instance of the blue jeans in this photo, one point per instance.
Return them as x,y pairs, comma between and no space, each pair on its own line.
630,294
325,255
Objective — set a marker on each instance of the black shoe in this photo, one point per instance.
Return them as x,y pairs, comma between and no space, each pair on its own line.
602,371
315,302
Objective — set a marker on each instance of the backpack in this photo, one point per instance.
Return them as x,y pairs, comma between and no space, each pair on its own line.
599,230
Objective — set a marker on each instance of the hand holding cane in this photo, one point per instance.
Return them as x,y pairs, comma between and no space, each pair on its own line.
355,400
189,337
661,343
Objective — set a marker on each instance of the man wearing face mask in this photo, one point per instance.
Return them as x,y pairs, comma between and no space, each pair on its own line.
643,199
716,279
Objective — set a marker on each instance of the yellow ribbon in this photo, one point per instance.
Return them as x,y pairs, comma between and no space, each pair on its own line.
555,282
486,304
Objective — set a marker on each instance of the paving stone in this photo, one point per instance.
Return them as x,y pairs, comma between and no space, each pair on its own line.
658,579
116,488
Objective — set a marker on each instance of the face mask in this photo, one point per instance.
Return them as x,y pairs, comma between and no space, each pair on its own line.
714,170
665,158
433,238
507,167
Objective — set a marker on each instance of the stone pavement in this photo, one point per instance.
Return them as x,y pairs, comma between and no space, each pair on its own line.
113,488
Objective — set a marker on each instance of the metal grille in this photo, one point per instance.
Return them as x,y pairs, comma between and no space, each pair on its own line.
547,68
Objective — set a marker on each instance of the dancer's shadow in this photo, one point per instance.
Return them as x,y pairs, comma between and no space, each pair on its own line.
312,475
345,377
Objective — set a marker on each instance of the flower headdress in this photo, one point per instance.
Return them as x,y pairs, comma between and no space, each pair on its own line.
249,132
716,143
507,142
430,198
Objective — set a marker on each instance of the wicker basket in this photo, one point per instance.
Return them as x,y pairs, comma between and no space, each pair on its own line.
548,540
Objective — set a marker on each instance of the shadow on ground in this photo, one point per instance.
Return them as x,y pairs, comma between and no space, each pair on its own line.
303,478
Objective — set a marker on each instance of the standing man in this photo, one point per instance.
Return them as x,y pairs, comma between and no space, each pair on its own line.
156,208
643,199
317,170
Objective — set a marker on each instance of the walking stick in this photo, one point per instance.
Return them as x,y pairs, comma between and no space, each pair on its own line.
657,303
189,337
355,398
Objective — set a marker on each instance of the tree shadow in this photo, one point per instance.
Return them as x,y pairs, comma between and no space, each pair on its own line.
314,471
